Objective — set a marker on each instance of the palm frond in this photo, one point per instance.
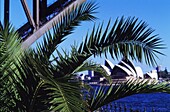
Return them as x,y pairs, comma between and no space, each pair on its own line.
10,49
107,94
66,61
64,95
28,85
76,63
25,87
126,38
10,46
93,67
65,26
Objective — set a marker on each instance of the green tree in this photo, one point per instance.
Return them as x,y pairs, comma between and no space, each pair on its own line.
35,80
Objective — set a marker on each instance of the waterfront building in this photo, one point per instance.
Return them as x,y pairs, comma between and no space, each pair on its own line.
122,71
152,75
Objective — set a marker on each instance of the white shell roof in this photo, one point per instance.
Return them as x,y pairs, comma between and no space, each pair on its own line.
110,63
130,68
125,69
106,69
139,72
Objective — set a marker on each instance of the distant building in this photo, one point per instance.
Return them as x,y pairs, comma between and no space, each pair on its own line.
151,75
123,70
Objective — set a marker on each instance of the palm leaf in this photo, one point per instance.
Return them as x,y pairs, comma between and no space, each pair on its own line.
65,26
76,63
63,94
126,37
93,67
10,48
25,88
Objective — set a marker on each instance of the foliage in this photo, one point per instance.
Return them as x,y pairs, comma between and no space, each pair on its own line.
10,48
37,80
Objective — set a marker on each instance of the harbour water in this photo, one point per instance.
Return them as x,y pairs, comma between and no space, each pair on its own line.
159,102
146,102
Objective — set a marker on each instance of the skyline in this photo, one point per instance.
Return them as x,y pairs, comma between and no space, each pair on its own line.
155,13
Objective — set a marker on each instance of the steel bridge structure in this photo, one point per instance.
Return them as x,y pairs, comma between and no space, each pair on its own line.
41,20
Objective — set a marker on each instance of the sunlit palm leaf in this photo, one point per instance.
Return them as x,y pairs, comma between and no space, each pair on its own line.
10,48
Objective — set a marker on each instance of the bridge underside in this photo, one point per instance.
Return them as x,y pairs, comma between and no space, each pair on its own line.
43,17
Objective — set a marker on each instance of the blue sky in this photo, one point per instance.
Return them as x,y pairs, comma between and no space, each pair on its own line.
154,12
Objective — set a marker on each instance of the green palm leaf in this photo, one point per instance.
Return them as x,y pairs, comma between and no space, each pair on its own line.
10,48
64,95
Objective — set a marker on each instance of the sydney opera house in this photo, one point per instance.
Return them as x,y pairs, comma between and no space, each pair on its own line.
122,71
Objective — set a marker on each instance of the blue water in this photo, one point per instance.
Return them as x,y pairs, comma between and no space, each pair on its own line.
160,102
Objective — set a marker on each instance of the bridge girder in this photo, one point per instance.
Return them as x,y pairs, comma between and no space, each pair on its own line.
39,23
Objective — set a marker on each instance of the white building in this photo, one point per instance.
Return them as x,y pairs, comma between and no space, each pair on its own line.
123,70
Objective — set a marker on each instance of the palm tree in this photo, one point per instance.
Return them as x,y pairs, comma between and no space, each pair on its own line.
34,80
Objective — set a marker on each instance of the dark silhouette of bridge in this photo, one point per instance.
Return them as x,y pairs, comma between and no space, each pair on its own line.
43,17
